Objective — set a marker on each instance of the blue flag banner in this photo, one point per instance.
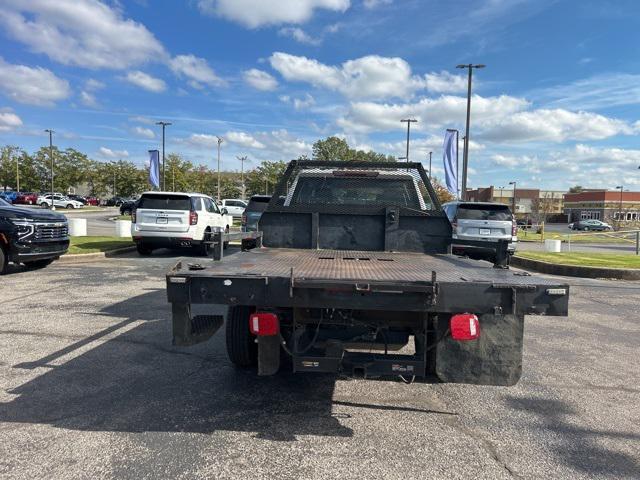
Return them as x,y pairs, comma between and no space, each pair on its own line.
450,158
154,168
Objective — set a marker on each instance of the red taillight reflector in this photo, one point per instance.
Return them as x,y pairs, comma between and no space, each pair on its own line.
264,324
193,218
464,326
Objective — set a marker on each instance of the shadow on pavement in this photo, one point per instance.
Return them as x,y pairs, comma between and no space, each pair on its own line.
580,448
138,382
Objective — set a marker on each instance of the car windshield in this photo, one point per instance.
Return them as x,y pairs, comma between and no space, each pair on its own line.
165,202
469,211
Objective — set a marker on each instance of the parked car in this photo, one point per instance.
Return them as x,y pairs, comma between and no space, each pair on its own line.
93,201
26,198
481,221
45,201
128,207
173,220
9,197
253,212
31,236
234,206
594,225
114,201
78,198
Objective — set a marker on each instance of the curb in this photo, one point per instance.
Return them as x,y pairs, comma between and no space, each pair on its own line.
575,270
88,257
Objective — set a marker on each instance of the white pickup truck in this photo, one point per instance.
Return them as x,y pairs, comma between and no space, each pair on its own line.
176,220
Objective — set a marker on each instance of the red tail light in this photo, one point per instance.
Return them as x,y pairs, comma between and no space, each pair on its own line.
464,326
264,324
244,219
193,218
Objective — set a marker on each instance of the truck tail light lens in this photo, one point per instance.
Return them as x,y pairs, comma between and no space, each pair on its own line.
464,326
193,218
264,324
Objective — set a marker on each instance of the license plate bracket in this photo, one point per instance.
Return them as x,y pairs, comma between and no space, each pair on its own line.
485,231
162,220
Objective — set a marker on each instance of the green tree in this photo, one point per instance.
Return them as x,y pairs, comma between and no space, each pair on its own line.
337,149
443,194
264,178
576,189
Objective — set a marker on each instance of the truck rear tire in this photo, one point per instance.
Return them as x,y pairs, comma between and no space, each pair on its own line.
143,249
241,348
4,261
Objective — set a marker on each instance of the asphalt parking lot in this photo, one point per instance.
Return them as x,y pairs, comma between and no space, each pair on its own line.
90,386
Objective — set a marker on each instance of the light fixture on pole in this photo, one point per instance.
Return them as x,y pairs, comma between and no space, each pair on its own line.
220,140
51,132
164,176
465,158
242,160
408,121
513,202
430,175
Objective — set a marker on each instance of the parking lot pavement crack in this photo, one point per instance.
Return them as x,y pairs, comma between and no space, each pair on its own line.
484,443
32,294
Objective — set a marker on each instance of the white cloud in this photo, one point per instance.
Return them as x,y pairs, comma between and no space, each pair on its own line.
143,132
88,99
260,79
109,153
555,125
85,33
141,119
196,69
146,81
92,85
299,103
35,86
243,139
373,76
299,35
256,13
371,4
9,121
435,113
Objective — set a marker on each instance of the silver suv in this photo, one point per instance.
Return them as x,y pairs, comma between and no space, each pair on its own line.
480,221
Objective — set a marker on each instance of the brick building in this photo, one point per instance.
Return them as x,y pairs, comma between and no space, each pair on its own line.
531,203
608,206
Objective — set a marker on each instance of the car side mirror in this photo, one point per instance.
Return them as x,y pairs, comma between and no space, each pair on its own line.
224,211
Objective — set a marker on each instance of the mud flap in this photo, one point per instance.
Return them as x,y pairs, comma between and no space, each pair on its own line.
189,331
268,355
495,358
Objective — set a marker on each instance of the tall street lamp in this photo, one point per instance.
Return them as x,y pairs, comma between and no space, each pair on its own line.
220,140
164,176
465,159
513,202
430,174
242,160
51,132
408,121
457,158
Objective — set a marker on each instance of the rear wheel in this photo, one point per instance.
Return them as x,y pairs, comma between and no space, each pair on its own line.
44,205
4,261
241,348
69,206
143,249
204,248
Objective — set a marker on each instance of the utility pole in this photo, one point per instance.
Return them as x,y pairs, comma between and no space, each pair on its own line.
220,140
457,159
513,202
430,175
114,179
465,159
17,168
408,121
51,132
164,176
242,160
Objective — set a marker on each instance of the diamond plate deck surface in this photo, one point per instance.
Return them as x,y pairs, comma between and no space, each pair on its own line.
359,266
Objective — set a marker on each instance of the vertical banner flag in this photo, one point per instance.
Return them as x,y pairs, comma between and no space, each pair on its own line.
154,168
450,158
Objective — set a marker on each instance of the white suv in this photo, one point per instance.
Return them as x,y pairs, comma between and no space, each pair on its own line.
234,206
173,219
59,201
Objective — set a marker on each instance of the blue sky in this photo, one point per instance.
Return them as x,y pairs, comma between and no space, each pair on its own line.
557,105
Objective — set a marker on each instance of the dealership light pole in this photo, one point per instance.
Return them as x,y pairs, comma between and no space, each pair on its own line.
465,159
242,160
220,140
164,176
51,132
513,202
430,175
621,188
408,121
